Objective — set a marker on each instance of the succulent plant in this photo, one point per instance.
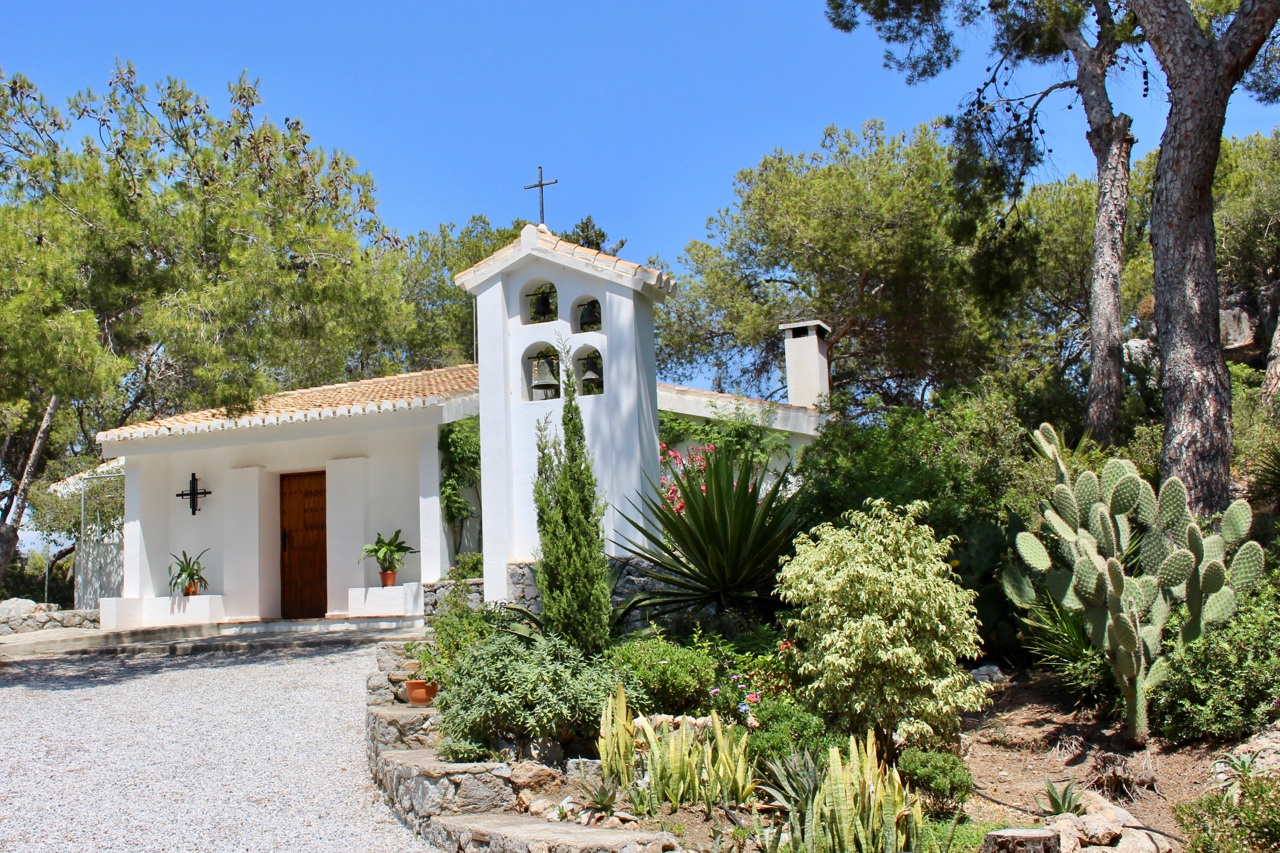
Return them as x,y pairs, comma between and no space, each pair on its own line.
1125,559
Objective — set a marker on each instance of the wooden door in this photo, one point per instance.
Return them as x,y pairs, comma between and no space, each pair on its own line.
304,592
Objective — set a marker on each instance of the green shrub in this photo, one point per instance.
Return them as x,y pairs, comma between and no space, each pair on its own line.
573,572
1223,824
783,727
467,567
941,779
505,689
674,679
881,625
456,628
1227,683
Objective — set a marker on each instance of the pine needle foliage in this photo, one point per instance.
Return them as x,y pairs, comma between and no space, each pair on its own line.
572,574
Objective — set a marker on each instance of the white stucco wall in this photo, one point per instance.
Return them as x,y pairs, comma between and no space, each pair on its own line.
621,424
377,480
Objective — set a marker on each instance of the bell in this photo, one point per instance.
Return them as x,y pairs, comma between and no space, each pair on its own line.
542,305
591,370
544,373
591,314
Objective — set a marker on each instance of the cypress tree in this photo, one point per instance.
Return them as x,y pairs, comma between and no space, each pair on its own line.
572,572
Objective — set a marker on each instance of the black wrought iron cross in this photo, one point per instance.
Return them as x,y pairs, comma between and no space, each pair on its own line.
542,215
193,494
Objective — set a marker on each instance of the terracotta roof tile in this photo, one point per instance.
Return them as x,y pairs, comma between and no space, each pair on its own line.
367,396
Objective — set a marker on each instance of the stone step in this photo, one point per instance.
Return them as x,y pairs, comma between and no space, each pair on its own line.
62,640
245,643
511,833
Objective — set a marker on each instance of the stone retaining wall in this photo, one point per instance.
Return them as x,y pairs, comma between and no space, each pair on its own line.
433,594
41,619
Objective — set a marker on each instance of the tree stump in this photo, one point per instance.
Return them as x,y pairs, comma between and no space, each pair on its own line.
1021,841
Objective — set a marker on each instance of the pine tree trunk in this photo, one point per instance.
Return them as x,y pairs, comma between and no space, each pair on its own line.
1195,384
1112,143
9,526
1201,68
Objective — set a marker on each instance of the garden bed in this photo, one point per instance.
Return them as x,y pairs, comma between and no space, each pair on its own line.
1032,732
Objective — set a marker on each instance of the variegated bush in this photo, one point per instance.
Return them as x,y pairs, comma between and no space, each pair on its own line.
1126,559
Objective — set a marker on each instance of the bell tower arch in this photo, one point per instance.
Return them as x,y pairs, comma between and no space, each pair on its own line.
537,301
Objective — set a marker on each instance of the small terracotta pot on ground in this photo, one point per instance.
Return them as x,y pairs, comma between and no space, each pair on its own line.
388,578
420,693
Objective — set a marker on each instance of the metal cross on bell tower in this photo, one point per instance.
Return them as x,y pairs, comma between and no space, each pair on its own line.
542,215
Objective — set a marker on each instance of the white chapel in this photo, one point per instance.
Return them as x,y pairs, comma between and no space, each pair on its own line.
282,500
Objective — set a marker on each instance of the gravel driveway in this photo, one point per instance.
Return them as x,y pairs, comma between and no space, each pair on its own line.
217,752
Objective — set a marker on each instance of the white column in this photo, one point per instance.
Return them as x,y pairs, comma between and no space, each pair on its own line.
495,473
345,514
251,543
146,526
435,544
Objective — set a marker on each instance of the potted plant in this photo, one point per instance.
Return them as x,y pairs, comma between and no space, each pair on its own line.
389,554
185,574
421,690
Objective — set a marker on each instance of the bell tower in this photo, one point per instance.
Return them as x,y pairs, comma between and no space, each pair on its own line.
547,310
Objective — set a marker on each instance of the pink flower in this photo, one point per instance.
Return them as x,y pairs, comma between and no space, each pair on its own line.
715,690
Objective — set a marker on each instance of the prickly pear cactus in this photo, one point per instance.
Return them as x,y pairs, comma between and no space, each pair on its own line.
1126,558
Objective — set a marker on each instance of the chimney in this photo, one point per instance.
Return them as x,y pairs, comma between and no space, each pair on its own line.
808,372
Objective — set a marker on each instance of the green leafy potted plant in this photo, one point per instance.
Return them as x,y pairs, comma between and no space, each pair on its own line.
421,690
389,554
186,574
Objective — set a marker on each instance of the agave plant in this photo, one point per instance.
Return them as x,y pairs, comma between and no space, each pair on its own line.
716,538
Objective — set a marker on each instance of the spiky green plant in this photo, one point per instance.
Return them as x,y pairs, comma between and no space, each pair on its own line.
717,538
1093,524
1064,800
864,806
617,743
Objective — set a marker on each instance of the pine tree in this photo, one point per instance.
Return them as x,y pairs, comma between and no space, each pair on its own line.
571,574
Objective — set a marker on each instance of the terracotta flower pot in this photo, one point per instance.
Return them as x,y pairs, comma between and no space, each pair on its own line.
191,589
420,693
388,578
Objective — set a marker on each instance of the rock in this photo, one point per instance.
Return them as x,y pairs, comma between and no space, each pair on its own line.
378,690
989,674
1140,841
1070,829
1100,829
614,822
540,805
1021,841
523,800
17,607
1095,803
553,815
627,816
533,776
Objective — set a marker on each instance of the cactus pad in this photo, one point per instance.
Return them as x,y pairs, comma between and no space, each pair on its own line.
1172,504
1147,504
1088,492
1236,522
1158,672
1246,568
1155,548
1124,496
1176,568
1017,586
1213,577
1064,501
1124,663
1219,607
1086,584
1113,472
1030,549
1059,526
1215,548
1115,574
1195,543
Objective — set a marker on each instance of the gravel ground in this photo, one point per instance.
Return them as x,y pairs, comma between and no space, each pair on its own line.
217,752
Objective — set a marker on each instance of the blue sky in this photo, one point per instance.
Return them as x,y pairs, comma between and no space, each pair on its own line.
642,111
